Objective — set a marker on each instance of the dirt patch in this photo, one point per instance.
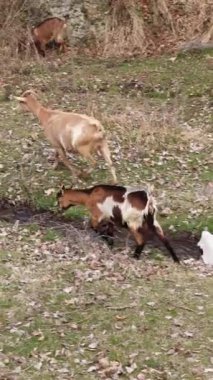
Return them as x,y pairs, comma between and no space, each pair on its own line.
184,243
10,212
25,213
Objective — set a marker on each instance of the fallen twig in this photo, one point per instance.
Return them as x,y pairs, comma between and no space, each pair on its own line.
120,307
183,308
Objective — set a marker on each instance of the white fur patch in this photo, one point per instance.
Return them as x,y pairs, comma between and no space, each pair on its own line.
157,225
130,215
107,208
62,142
77,132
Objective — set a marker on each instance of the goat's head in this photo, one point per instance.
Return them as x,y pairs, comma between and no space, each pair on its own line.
63,199
25,98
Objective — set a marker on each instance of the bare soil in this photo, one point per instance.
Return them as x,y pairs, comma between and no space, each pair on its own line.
185,243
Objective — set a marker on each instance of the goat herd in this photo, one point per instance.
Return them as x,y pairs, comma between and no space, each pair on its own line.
132,208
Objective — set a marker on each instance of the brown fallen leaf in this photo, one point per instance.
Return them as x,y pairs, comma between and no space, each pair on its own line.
120,317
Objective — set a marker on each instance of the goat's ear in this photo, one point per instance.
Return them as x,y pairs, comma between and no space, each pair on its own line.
62,188
60,193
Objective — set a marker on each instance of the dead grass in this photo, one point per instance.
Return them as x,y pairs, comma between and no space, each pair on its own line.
124,28
135,27
11,29
132,27
16,46
146,124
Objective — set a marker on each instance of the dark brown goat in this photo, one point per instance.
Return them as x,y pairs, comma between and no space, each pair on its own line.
132,208
50,30
49,33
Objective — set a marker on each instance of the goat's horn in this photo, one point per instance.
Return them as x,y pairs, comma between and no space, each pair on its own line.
20,98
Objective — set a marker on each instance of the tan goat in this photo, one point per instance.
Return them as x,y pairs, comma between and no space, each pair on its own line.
68,131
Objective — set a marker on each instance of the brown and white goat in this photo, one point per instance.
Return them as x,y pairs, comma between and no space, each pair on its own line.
50,30
68,131
131,208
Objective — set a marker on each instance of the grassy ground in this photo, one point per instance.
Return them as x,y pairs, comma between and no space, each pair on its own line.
157,114
70,308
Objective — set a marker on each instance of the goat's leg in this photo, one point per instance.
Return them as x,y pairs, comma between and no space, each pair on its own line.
56,159
62,47
97,226
40,48
107,233
159,232
96,217
84,150
66,162
140,242
107,156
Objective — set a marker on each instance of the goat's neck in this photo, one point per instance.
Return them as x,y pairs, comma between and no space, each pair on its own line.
44,115
77,197
38,110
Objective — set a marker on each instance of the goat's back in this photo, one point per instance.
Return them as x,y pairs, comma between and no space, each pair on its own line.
123,203
50,29
72,129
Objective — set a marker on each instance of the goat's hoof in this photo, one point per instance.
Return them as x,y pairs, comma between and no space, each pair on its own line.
110,243
55,165
136,256
176,261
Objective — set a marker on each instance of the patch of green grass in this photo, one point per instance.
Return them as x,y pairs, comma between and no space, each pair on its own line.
37,338
6,303
153,363
207,175
50,235
32,228
76,212
43,202
184,222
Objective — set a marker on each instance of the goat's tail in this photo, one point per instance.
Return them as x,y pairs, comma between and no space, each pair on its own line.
159,232
104,149
99,136
151,207
99,133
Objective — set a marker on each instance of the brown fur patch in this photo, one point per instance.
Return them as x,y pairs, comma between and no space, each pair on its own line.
48,20
51,29
117,192
117,216
118,195
70,197
138,199
101,192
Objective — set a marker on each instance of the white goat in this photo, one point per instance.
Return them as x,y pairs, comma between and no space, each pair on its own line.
68,131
